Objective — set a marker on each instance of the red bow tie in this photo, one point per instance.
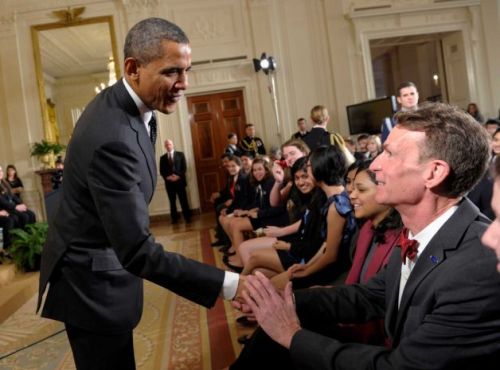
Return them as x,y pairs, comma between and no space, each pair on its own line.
408,247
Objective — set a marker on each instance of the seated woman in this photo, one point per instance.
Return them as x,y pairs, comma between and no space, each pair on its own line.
317,263
14,181
376,241
260,214
295,233
374,146
284,191
18,213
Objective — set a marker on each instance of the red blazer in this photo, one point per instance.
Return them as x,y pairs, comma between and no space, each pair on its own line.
379,258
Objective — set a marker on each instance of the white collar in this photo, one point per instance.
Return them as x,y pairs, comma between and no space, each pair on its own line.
145,112
427,233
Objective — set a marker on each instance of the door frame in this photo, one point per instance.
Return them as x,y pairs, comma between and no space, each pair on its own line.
365,36
187,140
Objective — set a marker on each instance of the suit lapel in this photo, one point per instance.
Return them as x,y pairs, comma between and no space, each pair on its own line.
446,240
137,125
382,252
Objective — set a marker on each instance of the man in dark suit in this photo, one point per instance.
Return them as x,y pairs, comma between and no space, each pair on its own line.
99,247
173,171
439,293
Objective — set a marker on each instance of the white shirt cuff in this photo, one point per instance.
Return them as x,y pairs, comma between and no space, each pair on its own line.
230,285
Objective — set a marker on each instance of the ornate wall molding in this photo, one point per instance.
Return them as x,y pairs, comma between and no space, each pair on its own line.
140,3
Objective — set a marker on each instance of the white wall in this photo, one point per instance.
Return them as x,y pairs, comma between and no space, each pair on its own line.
321,46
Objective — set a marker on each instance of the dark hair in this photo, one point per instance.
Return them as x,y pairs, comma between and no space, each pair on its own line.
453,136
7,171
364,166
301,119
144,40
249,125
248,154
497,168
300,164
225,155
362,136
328,164
262,161
231,135
404,85
235,159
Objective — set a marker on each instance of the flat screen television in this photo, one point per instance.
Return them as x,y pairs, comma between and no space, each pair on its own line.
367,117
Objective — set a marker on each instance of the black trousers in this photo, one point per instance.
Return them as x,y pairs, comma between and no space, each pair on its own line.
174,190
101,351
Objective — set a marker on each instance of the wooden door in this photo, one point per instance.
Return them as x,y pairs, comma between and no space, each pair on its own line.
212,118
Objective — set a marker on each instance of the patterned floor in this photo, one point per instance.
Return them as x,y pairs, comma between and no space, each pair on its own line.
173,333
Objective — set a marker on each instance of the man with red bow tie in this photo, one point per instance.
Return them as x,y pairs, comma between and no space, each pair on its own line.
439,293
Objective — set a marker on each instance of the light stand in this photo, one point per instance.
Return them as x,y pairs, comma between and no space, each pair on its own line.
268,66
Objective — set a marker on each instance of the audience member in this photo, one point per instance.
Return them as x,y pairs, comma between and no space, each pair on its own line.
350,145
16,185
232,147
17,211
318,135
473,110
57,177
258,215
275,154
482,193
173,170
492,125
408,100
284,191
440,296
224,197
374,146
302,126
251,143
362,150
375,241
246,161
491,238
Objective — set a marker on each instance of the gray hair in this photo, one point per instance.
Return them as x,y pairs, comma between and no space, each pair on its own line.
144,40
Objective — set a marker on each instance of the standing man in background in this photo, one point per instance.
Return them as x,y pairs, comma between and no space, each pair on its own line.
173,171
251,143
408,100
302,126
99,247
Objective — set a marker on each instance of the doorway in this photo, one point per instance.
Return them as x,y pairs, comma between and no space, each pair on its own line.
212,118
436,63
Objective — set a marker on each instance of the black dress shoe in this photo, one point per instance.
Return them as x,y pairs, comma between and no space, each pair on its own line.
244,339
237,269
218,243
245,321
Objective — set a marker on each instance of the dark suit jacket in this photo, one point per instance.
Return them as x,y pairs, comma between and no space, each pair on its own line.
449,317
178,168
317,137
99,247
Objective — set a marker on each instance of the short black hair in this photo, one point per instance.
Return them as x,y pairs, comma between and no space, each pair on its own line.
235,159
362,137
144,40
328,164
247,154
231,135
404,85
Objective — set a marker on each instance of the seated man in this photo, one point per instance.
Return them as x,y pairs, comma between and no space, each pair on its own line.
439,294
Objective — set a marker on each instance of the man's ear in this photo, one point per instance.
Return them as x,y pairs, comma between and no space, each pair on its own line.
132,68
436,173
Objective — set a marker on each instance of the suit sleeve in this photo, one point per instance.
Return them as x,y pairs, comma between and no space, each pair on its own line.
458,330
123,210
163,166
181,171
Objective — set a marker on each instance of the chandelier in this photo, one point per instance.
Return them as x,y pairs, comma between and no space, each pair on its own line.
111,78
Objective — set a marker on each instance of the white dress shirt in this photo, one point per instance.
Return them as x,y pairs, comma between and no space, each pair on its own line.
423,238
231,279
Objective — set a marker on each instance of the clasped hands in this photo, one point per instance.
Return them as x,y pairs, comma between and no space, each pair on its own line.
273,310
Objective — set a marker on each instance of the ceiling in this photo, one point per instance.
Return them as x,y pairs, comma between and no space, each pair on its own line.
75,51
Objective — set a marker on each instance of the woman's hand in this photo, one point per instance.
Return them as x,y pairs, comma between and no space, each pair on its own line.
278,172
280,244
297,270
273,231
